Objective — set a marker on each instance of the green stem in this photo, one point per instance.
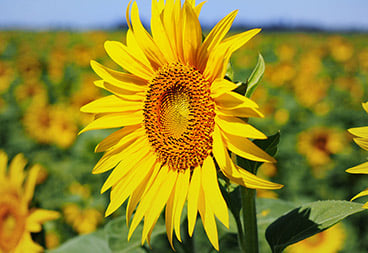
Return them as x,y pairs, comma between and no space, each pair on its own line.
248,197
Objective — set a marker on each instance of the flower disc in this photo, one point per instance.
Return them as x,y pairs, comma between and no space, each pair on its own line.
179,116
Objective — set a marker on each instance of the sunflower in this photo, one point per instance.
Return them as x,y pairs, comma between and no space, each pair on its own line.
180,118
331,240
17,221
361,139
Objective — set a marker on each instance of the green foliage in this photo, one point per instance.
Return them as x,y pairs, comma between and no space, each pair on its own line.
307,220
255,77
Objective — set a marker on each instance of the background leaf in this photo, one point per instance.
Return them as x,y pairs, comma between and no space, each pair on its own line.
307,220
91,243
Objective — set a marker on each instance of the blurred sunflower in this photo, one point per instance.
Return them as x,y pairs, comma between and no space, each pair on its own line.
17,221
361,139
329,241
6,76
318,144
83,221
179,116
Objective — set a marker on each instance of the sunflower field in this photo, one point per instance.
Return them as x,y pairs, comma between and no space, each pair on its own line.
311,92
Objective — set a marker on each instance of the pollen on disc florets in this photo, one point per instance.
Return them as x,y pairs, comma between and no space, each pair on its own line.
179,116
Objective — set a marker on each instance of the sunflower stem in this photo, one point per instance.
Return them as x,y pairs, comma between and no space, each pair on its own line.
250,236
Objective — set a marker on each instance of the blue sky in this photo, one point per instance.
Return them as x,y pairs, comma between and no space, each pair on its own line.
99,14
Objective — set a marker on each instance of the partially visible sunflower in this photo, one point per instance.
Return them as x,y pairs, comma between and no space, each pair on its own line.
179,115
331,240
318,144
361,139
17,221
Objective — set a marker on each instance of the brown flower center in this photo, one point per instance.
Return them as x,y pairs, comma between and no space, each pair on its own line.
179,116
12,222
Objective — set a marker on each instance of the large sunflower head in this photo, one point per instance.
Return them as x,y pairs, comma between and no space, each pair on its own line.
17,221
179,117
361,138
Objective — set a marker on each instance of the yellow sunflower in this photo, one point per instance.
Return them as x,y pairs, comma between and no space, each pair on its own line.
17,221
331,240
361,139
179,116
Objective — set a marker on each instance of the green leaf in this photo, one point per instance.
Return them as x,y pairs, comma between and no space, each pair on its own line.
255,77
269,145
91,243
307,220
116,232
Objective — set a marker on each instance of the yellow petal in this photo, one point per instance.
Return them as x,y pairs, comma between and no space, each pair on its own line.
362,142
193,193
115,120
121,80
38,217
111,103
214,38
230,100
192,34
119,137
145,41
148,196
198,8
125,187
169,217
221,86
359,169
178,34
235,173
159,33
111,158
208,219
136,50
212,191
241,111
16,172
128,168
121,55
361,194
138,193
181,190
158,201
247,149
365,106
219,56
237,127
30,183
359,131
122,93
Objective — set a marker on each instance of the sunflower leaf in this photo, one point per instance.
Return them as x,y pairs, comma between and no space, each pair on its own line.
307,220
116,232
93,243
269,145
255,77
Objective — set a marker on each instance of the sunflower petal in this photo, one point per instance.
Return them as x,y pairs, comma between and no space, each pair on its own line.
221,86
214,38
362,142
121,55
193,193
212,191
16,172
111,103
359,169
3,165
138,193
237,127
192,34
119,79
361,194
30,183
145,41
230,100
181,191
38,217
125,187
359,131
208,219
115,120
